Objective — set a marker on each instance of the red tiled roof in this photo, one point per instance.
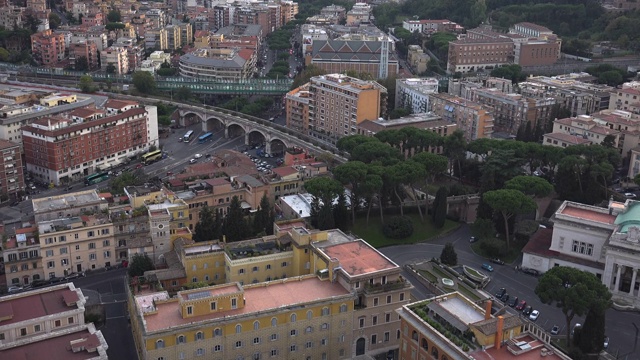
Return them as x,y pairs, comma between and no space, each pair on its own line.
85,112
26,230
119,104
56,347
29,306
630,90
285,171
245,53
358,258
217,181
570,139
588,214
7,144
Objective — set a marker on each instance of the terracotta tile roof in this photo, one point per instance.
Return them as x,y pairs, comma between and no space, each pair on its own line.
358,258
36,304
630,90
265,296
489,327
217,181
570,139
119,104
26,230
285,171
85,112
588,214
57,347
7,144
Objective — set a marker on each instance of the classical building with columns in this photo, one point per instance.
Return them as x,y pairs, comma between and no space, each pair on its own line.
603,241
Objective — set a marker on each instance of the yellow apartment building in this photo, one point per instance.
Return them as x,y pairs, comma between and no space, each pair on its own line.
317,261
337,103
294,318
22,258
297,109
76,244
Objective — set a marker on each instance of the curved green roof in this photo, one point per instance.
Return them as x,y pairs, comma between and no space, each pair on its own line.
629,218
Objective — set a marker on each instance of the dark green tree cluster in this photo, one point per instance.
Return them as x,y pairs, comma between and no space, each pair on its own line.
448,255
209,225
264,218
128,178
139,264
242,104
279,70
305,75
512,72
577,293
144,82
164,113
608,74
279,39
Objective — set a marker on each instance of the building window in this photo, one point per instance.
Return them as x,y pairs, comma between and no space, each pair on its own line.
199,335
323,342
234,303
402,296
361,322
387,317
37,328
182,339
217,332
308,345
325,311
256,340
70,320
23,332
274,337
274,322
343,308
374,339
256,325
308,330
189,310
388,299
217,348
374,320
268,266
293,348
58,323
294,317
159,344
309,315
238,329
324,326
213,305
274,352
200,352
386,336
294,332
238,344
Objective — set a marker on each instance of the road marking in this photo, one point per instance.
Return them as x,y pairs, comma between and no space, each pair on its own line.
116,317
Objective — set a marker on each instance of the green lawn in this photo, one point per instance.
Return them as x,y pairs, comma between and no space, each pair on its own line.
428,275
422,231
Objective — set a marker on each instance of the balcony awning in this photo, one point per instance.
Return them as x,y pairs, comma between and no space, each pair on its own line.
447,316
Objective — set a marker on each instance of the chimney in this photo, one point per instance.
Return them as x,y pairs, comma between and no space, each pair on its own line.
487,309
499,331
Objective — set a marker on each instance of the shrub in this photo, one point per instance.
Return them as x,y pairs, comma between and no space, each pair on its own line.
398,227
494,247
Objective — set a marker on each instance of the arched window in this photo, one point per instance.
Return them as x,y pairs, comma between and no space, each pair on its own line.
309,315
434,353
238,329
325,311
343,308
199,335
414,335
274,322
293,318
182,339
256,325
308,330
424,344
160,344
217,332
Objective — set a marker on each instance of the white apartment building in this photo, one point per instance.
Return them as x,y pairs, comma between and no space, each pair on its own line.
413,94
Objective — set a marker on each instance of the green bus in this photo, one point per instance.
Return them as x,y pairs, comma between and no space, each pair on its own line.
151,156
96,178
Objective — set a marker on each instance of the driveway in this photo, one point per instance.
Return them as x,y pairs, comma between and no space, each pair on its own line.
619,325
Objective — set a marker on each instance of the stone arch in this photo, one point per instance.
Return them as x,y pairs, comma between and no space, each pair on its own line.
189,117
213,124
256,136
277,146
234,130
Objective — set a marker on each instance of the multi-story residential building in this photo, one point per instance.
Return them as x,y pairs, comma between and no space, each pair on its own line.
130,232
338,103
474,119
340,56
360,13
600,240
434,327
68,205
219,64
76,244
330,300
115,59
465,87
432,26
297,108
254,16
413,94
95,34
49,323
11,16
417,59
223,15
471,54
37,5
174,37
275,16
425,121
22,258
63,149
47,47
308,34
584,127
157,18
511,111
186,34
86,49
156,39
580,98
93,19
626,98
11,169
135,52
336,11
289,10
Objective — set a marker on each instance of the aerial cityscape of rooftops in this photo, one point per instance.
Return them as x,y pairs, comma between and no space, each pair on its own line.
326,179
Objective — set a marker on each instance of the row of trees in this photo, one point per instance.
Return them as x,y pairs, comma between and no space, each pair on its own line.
235,226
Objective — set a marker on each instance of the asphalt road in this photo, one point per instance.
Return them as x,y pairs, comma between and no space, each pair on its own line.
619,325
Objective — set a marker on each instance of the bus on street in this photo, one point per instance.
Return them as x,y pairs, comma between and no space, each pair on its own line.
96,178
204,138
151,156
187,137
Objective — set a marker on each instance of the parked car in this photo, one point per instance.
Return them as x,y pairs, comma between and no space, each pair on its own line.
14,289
473,239
501,293
521,305
630,195
197,156
497,261
169,173
207,155
531,272
74,276
606,342
505,298
193,161
534,315
55,280
38,283
555,330
487,267
514,301
576,326
527,310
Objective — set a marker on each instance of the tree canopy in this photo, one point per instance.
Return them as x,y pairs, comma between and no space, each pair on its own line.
144,82
575,291
508,202
139,264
